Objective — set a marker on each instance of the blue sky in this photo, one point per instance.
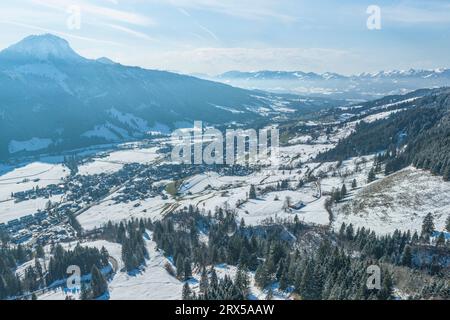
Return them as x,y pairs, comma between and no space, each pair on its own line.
213,36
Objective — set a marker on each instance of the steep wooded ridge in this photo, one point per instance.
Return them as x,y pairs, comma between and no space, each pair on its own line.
418,134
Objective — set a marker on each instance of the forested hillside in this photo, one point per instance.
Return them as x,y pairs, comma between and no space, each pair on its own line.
418,134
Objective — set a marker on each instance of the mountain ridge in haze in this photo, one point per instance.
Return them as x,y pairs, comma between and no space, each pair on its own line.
274,74
364,86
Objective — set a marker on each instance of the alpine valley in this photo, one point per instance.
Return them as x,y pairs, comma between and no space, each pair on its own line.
359,189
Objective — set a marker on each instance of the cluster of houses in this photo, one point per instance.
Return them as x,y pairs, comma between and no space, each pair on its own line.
40,226
136,182
143,186
21,230
46,193
139,189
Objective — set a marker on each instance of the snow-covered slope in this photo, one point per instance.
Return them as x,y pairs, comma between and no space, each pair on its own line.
399,201
152,282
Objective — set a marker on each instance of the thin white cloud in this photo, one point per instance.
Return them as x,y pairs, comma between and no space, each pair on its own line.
184,12
249,9
99,11
198,24
129,31
431,12
208,31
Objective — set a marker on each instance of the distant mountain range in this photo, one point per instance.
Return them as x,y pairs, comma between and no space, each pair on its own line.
299,75
52,99
364,86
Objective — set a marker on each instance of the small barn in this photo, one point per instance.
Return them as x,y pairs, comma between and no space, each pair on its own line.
298,206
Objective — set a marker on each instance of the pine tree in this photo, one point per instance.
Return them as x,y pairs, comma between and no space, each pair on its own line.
180,267
354,184
427,227
204,284
343,191
252,193
308,286
342,230
371,176
214,282
407,256
21,254
39,270
127,256
415,237
440,240
187,293
284,281
336,195
287,204
86,293
349,233
387,286
40,252
187,269
98,283
244,257
242,281
261,276
242,224
269,295
74,223
447,173
447,224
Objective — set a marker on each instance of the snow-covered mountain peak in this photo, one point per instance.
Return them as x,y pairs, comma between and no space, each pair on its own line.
43,47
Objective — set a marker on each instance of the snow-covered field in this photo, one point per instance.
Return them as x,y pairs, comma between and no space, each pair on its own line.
153,282
114,161
114,250
26,177
9,210
110,211
399,201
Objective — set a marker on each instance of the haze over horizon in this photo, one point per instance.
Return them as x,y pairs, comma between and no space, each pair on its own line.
212,37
